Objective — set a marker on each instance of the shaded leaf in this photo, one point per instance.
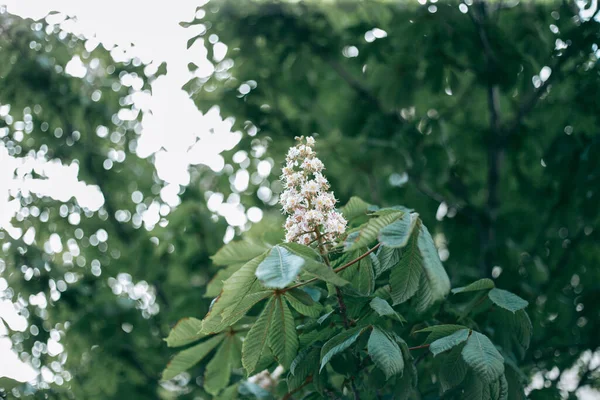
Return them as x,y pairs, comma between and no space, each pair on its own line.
355,207
453,368
405,277
481,355
339,343
279,268
218,370
383,308
482,284
385,353
238,252
448,342
368,232
507,300
396,234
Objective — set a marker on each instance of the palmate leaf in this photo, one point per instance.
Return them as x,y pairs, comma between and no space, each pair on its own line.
434,284
218,370
396,234
448,342
186,331
515,328
453,368
339,343
190,357
238,252
405,277
279,268
240,292
257,338
283,339
481,355
368,232
360,274
482,284
507,300
354,208
385,353
439,331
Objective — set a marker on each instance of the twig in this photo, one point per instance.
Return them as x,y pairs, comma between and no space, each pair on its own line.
336,270
289,395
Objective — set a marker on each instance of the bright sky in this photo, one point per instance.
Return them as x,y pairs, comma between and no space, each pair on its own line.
171,131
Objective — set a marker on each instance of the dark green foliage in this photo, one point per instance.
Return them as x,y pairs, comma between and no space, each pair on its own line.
447,115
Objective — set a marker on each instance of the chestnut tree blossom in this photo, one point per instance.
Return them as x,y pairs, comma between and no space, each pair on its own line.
306,199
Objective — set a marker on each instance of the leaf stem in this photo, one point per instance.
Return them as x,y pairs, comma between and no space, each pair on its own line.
338,269
289,395
423,346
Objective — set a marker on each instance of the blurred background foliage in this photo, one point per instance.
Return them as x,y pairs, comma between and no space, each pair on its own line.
482,116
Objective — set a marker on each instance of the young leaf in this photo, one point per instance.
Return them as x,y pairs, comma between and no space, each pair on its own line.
481,355
238,252
354,208
396,234
303,303
256,340
339,343
283,339
383,308
385,353
482,284
439,331
453,368
279,268
368,231
190,357
186,331
448,342
507,300
405,277
218,370
435,284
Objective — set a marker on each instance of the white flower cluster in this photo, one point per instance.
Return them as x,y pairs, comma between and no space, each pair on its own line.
306,199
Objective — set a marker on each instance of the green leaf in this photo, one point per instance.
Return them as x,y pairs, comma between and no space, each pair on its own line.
481,355
306,362
439,331
186,331
507,300
303,303
448,342
354,208
323,272
218,370
385,353
238,252
302,251
188,358
434,284
256,339
369,231
383,308
514,328
283,339
482,284
230,393
453,368
339,343
388,259
279,268
240,292
215,285
405,277
396,234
